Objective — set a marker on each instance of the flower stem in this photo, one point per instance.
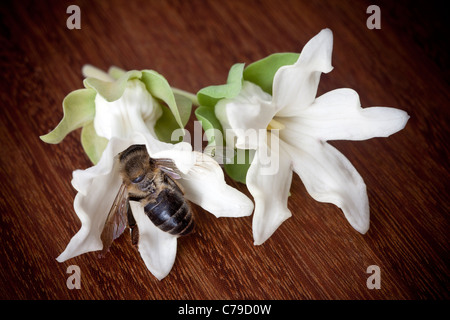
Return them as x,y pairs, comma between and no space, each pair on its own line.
186,94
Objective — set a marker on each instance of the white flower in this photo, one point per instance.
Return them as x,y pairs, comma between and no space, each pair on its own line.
201,178
303,124
135,111
126,117
119,103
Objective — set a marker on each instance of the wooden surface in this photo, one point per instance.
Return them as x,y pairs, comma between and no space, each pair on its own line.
313,255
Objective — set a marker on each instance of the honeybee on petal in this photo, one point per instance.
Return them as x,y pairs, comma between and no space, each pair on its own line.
152,183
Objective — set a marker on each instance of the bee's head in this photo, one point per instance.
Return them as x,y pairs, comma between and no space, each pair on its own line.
134,164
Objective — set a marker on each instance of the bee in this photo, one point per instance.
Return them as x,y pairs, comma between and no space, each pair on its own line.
152,183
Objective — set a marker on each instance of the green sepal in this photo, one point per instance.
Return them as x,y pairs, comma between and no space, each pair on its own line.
116,72
209,96
166,124
262,72
112,91
209,123
184,105
236,170
79,109
159,88
93,144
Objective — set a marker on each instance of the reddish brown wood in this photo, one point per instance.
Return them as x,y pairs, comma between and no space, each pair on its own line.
313,255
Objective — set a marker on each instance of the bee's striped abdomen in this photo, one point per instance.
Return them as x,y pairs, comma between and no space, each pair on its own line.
170,212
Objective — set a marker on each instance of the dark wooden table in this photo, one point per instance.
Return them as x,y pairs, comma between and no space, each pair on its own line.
313,255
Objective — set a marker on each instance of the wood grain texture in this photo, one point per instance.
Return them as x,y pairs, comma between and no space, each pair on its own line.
313,255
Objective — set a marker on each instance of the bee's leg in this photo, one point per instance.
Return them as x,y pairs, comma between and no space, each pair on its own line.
134,231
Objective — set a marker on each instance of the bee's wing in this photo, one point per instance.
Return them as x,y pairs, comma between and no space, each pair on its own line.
116,221
168,167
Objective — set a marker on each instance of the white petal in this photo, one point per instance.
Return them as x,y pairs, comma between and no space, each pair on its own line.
83,179
154,146
337,115
205,185
329,177
135,111
295,86
270,189
245,114
158,249
181,154
97,187
90,71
